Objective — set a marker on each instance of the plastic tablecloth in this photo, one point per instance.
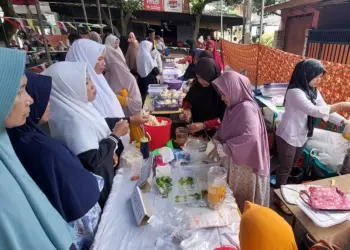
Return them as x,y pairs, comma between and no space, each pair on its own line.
118,228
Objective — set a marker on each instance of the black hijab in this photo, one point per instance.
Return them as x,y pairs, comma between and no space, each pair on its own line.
205,101
304,72
123,44
71,189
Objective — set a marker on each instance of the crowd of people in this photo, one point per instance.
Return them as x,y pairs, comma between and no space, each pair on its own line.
56,185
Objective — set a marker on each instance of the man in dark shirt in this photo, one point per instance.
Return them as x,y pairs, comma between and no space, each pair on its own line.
151,35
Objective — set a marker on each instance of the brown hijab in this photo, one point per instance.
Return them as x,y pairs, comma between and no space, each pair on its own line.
131,55
119,77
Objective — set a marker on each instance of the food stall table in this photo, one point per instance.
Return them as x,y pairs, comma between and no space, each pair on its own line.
319,233
118,228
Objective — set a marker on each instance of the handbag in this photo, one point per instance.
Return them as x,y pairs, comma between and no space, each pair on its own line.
325,198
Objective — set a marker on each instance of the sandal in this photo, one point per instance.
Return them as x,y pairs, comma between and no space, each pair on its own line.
280,204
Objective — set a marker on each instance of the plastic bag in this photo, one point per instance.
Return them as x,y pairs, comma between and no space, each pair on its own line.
186,188
330,143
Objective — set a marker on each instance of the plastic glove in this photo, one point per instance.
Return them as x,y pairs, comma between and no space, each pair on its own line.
122,100
220,150
214,153
124,92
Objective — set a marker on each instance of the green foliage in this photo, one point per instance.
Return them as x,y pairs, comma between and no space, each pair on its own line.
128,5
267,39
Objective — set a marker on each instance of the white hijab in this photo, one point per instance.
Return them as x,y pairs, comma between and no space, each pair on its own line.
201,39
73,119
145,62
110,41
87,51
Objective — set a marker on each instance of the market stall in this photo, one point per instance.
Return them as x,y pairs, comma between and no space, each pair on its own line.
159,217
166,98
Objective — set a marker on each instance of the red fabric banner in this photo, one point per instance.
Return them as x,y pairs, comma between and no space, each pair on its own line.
153,5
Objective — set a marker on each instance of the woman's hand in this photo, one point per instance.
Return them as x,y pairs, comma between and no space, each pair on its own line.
196,127
115,159
121,128
138,119
187,115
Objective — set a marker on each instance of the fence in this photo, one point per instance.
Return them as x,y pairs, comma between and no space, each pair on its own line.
267,65
329,45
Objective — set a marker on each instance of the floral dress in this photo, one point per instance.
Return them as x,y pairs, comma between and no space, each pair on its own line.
86,226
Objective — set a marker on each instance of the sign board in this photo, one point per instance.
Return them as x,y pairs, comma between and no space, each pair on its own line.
145,176
153,5
173,5
139,206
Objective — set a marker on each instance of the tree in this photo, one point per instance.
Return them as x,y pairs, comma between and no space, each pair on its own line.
127,8
198,7
9,11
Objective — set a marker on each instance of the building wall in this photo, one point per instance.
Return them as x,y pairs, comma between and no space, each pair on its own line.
294,23
335,17
184,33
295,12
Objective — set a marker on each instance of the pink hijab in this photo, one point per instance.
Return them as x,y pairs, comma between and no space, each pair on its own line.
216,55
243,132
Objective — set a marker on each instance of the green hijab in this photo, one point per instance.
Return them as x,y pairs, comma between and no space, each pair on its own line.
28,221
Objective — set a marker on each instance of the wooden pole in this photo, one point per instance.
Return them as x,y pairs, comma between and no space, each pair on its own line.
248,23
84,11
41,23
110,18
99,14
261,19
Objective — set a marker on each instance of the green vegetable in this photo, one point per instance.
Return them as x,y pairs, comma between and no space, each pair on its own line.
177,199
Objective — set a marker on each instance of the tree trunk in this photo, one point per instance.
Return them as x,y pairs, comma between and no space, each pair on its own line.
125,22
196,28
109,22
7,8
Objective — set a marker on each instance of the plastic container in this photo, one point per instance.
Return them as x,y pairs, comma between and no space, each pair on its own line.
181,135
174,84
216,187
158,135
346,132
196,148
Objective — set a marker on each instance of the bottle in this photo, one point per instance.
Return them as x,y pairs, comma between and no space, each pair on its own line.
144,148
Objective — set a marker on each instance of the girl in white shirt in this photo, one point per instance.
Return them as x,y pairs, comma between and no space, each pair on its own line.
303,104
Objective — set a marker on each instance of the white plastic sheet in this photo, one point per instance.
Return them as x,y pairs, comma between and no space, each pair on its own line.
118,228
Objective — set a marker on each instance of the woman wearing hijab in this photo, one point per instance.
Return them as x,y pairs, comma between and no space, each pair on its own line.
123,44
146,68
28,220
303,104
92,53
262,228
113,41
190,71
200,43
94,36
202,103
131,56
158,60
241,141
211,46
124,86
71,189
77,123
132,38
